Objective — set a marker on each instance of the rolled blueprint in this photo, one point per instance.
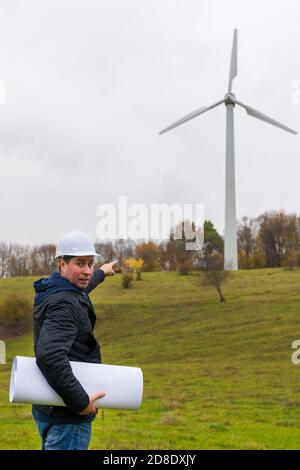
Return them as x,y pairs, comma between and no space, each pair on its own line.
123,386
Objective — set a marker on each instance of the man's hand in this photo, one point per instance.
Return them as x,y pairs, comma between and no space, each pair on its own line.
91,406
108,268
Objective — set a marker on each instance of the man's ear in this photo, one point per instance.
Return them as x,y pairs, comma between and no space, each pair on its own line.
61,261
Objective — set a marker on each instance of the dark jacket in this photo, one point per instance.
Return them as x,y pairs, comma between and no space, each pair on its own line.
63,324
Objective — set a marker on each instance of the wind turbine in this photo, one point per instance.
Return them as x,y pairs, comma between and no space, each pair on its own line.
230,248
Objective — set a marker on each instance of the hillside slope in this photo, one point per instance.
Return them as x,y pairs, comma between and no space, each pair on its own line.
216,376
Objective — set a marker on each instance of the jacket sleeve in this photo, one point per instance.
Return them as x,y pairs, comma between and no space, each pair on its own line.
97,277
56,337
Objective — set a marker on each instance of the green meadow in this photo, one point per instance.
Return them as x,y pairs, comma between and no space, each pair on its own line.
216,375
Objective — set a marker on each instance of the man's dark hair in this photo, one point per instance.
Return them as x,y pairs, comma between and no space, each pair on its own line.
66,258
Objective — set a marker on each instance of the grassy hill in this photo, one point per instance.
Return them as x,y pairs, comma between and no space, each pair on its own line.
216,376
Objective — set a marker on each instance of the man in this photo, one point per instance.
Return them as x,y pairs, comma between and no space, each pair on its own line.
63,324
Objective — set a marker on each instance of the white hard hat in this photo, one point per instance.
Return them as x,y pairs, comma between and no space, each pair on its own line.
75,243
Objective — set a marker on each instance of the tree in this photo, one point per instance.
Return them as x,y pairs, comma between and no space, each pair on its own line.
19,260
106,252
180,257
214,274
43,259
212,240
246,238
278,236
150,254
123,248
168,254
5,253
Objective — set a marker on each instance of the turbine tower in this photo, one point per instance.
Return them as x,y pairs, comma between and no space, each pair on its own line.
230,246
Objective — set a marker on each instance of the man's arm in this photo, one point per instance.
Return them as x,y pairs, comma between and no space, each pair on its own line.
99,275
96,279
57,335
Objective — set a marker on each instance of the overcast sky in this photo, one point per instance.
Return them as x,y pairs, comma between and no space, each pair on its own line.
89,84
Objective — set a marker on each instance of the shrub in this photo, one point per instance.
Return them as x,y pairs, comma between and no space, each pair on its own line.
135,265
127,279
290,262
15,314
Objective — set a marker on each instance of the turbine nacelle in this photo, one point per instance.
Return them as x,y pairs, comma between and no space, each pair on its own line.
230,98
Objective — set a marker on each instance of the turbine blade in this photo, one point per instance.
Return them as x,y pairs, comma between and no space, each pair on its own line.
233,63
192,115
263,117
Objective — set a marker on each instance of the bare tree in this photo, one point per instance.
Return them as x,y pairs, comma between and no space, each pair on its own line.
106,252
124,249
5,253
246,236
19,260
43,259
214,274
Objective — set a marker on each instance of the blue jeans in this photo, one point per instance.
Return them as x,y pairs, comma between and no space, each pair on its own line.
64,436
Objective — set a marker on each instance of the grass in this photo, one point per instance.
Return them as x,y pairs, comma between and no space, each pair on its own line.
216,376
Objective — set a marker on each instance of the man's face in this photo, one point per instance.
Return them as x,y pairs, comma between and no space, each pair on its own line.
79,270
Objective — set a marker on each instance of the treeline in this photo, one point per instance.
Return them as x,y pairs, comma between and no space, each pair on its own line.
270,240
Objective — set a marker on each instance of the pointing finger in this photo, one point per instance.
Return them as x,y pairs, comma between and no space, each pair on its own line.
97,395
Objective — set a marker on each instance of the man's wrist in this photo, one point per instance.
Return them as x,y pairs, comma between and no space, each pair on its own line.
104,274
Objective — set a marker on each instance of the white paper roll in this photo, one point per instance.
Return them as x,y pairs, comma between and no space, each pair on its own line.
123,386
